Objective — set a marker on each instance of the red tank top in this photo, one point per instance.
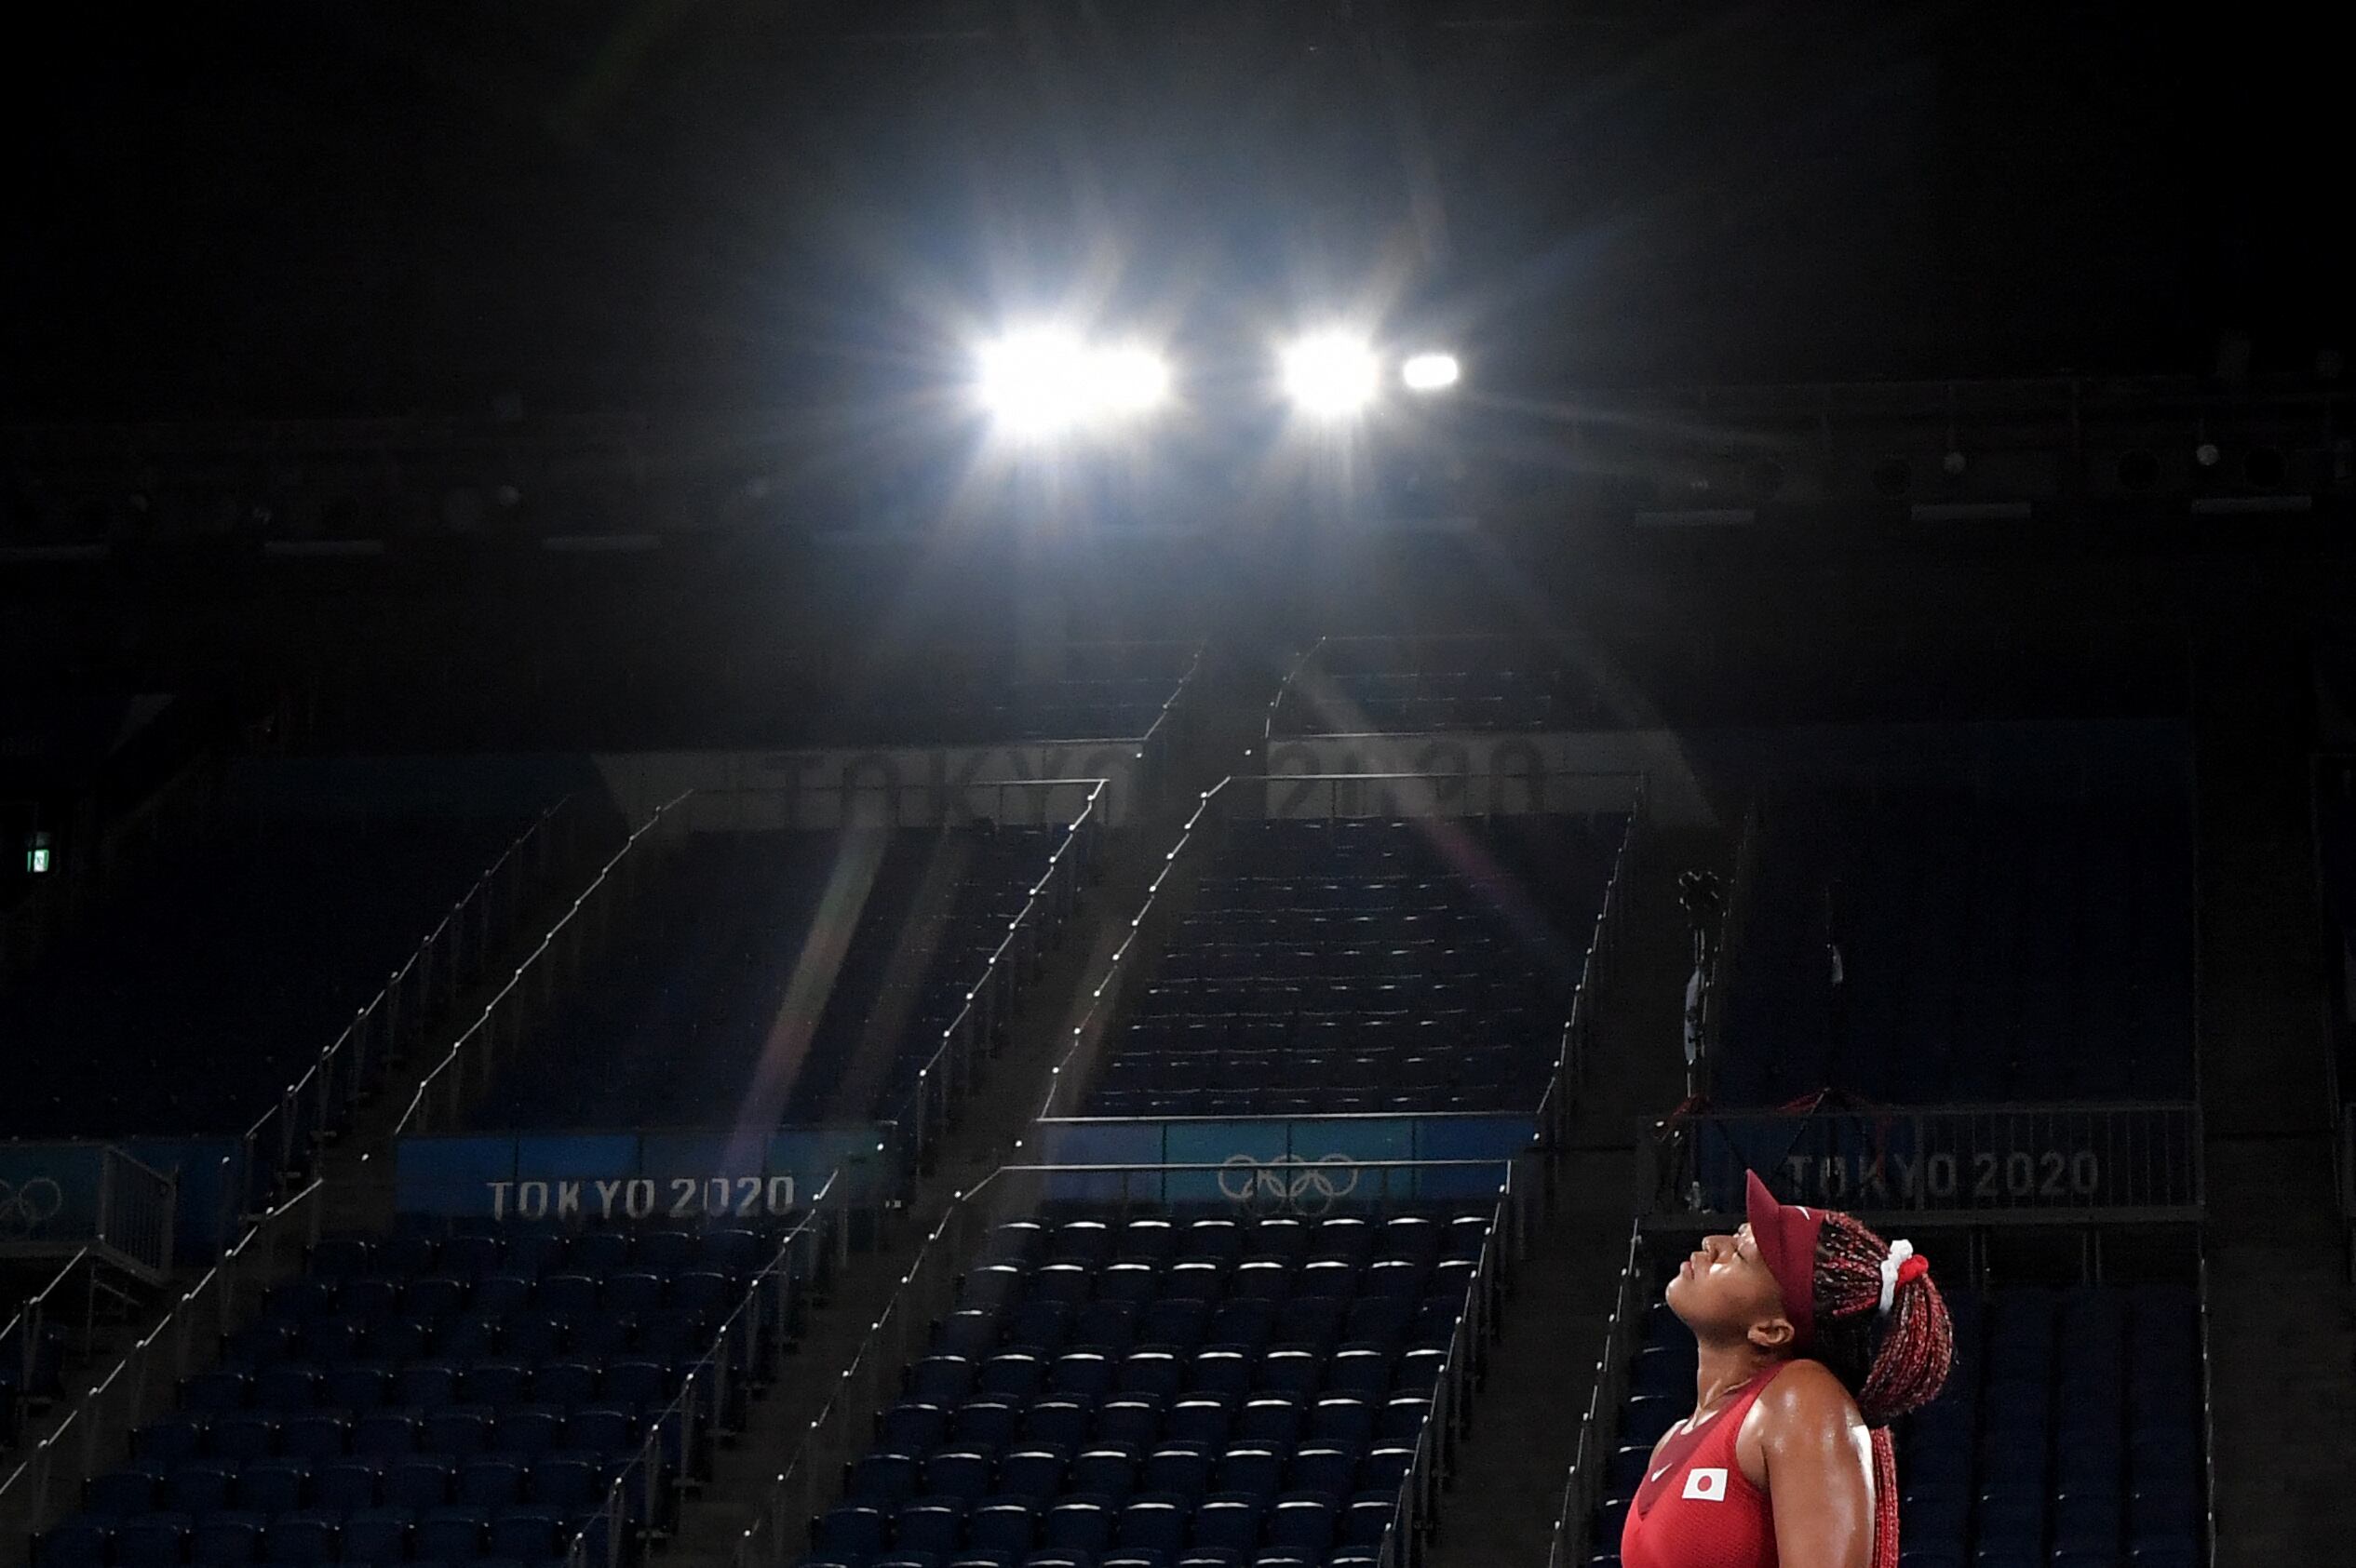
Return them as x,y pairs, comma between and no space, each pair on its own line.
1696,1509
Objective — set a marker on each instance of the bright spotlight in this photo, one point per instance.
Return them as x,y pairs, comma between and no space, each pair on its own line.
1331,374
1044,381
1131,380
1431,372
1033,380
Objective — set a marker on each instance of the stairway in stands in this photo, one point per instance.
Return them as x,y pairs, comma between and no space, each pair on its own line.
1541,1371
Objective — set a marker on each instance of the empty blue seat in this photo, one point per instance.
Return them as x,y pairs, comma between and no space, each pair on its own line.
377,1537
303,1539
384,1434
227,1539
418,1484
80,1542
197,1488
525,1534
571,1483
850,1533
346,1484
491,1482
452,1535
271,1487
121,1493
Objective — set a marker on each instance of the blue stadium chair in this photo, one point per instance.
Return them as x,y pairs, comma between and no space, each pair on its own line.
355,1386
156,1540
956,1472
973,1334
418,1484
243,1435
491,1482
80,1542
271,1487
1323,1470
122,1494
1057,1422
988,1422
572,1483
1273,1418
941,1380
633,1383
377,1537
502,1293
199,1487
929,1525
471,1337
528,1430
1015,1373
913,1425
1007,1527
535,1337
471,1255
490,1383
315,1437
346,1484
1077,1524
1249,1472
169,1440
452,1535
1088,1374
339,1258
1228,1524
564,1385
526,1534
427,1386
1304,1527
384,1434
1034,1475
210,1393
432,1298
884,1478
1175,1323
1152,1524
303,1539
1179,1471
367,1301
1369,1517
850,1533
227,1539
1385,1469
456,1429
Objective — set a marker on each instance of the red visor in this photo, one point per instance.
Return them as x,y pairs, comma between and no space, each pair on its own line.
1785,1235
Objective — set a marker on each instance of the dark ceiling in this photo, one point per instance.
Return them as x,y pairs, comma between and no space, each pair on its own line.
377,206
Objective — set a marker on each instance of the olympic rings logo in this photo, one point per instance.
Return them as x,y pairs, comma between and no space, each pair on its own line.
24,1209
1289,1184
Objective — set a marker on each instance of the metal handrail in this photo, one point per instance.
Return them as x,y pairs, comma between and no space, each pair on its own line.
26,1324
1583,1483
2208,1418
482,1034
400,1009
801,1253
142,1383
1064,1077
1283,689
952,1065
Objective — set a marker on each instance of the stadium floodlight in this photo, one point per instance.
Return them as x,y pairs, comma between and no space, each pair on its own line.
1034,381
1044,381
1127,380
1331,374
1431,372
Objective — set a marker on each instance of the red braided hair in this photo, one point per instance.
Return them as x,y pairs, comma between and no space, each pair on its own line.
1890,1364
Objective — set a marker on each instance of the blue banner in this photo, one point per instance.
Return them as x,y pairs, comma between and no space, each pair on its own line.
2009,1158
1303,1165
48,1194
577,1178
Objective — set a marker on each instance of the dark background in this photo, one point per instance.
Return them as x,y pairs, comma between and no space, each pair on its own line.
388,206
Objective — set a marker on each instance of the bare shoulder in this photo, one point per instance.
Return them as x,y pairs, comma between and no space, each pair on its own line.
1806,1397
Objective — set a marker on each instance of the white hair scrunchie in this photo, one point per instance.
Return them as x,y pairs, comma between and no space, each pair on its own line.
1898,1253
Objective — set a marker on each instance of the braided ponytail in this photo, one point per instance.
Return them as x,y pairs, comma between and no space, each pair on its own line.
1890,1362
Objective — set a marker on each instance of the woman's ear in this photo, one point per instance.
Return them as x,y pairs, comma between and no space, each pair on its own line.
1773,1335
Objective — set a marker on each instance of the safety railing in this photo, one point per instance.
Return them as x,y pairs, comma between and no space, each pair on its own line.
25,1345
451,955
2348,1181
1733,923
1068,1079
948,1076
844,1426
2018,1163
138,1210
2208,1420
1310,796
713,1393
96,1431
465,1069
1558,1103
1284,691
1591,1454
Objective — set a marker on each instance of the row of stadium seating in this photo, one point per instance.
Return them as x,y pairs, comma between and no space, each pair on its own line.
1985,951
681,1024
1369,965
1156,1391
2067,1436
410,1397
189,1003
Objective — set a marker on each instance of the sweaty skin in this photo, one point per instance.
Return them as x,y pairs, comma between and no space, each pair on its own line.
1803,1442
